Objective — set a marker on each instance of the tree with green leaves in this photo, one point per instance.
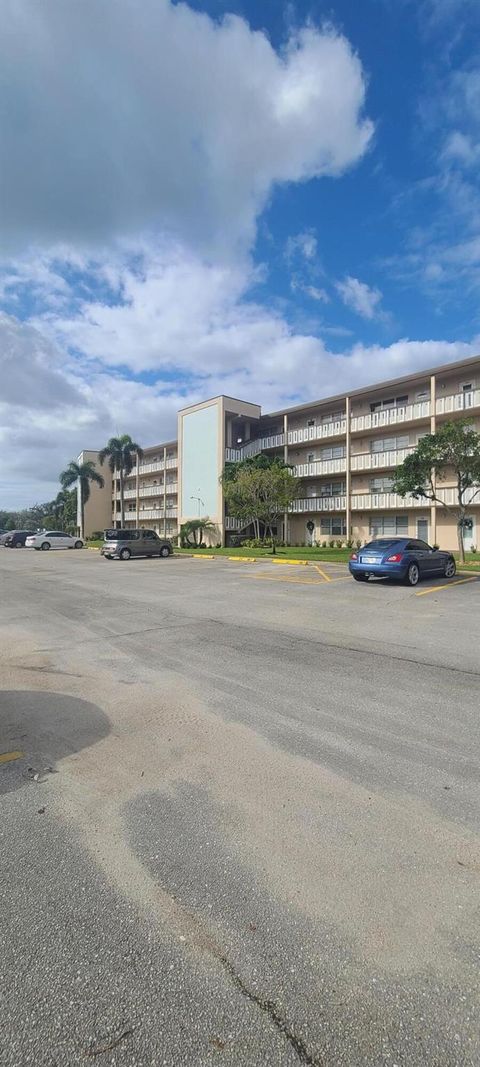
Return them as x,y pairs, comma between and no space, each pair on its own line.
260,494
121,453
192,532
82,475
452,453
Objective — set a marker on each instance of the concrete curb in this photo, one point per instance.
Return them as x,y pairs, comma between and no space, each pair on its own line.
294,562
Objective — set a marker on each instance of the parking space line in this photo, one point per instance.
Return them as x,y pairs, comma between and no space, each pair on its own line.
284,578
6,757
438,588
323,573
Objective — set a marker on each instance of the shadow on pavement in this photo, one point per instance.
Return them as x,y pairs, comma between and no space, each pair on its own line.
45,727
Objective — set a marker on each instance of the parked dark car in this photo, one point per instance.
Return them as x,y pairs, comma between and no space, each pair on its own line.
123,544
15,538
404,558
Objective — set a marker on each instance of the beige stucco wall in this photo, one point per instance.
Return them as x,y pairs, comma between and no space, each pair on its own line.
98,508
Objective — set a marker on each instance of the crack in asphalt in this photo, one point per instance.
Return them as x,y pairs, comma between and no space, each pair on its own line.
269,1008
189,620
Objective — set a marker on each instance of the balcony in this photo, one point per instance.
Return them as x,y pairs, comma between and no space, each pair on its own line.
252,448
327,466
450,496
156,513
234,524
447,405
151,468
319,503
318,432
390,417
369,501
129,494
366,461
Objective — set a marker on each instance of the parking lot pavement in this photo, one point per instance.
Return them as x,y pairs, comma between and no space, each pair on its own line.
239,815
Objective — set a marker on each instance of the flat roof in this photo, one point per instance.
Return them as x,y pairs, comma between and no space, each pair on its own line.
376,386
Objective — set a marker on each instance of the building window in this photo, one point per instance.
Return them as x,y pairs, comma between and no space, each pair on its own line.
389,525
391,402
389,444
311,422
335,452
333,525
311,457
332,489
381,485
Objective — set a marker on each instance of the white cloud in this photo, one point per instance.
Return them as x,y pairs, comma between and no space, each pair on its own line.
359,297
58,404
461,148
163,118
302,244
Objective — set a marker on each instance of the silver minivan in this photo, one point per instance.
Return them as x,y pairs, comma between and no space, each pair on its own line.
123,544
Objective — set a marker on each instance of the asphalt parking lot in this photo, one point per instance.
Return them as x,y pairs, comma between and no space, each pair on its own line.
240,814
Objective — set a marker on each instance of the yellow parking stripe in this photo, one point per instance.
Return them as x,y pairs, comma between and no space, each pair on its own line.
5,757
439,588
324,575
285,578
291,562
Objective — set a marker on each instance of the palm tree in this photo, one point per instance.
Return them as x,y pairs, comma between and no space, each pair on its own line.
81,474
58,506
121,452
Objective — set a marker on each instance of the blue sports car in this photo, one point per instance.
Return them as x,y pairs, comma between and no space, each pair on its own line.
404,558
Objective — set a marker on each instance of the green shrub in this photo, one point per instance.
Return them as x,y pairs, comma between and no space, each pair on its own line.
358,543
338,544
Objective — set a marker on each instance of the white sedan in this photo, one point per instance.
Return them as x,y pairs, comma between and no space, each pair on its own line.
52,539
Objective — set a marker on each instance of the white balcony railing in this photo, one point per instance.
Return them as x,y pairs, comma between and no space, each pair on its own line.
151,468
252,448
234,524
129,494
366,501
318,432
319,503
156,513
390,416
366,461
450,496
313,470
458,402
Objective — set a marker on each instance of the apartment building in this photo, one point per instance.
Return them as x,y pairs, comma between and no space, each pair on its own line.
344,449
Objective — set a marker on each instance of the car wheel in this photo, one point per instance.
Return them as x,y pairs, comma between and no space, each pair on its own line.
45,546
78,544
125,553
413,574
450,569
19,544
164,551
361,577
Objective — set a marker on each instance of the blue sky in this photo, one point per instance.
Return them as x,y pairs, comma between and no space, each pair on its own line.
273,200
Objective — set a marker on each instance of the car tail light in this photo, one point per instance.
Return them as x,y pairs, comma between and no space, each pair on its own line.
354,555
395,558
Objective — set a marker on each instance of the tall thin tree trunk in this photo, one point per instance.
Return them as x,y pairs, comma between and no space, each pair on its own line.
82,512
461,543
122,506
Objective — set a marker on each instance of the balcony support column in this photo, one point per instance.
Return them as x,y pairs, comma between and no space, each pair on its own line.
137,492
348,473
285,460
433,427
165,492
